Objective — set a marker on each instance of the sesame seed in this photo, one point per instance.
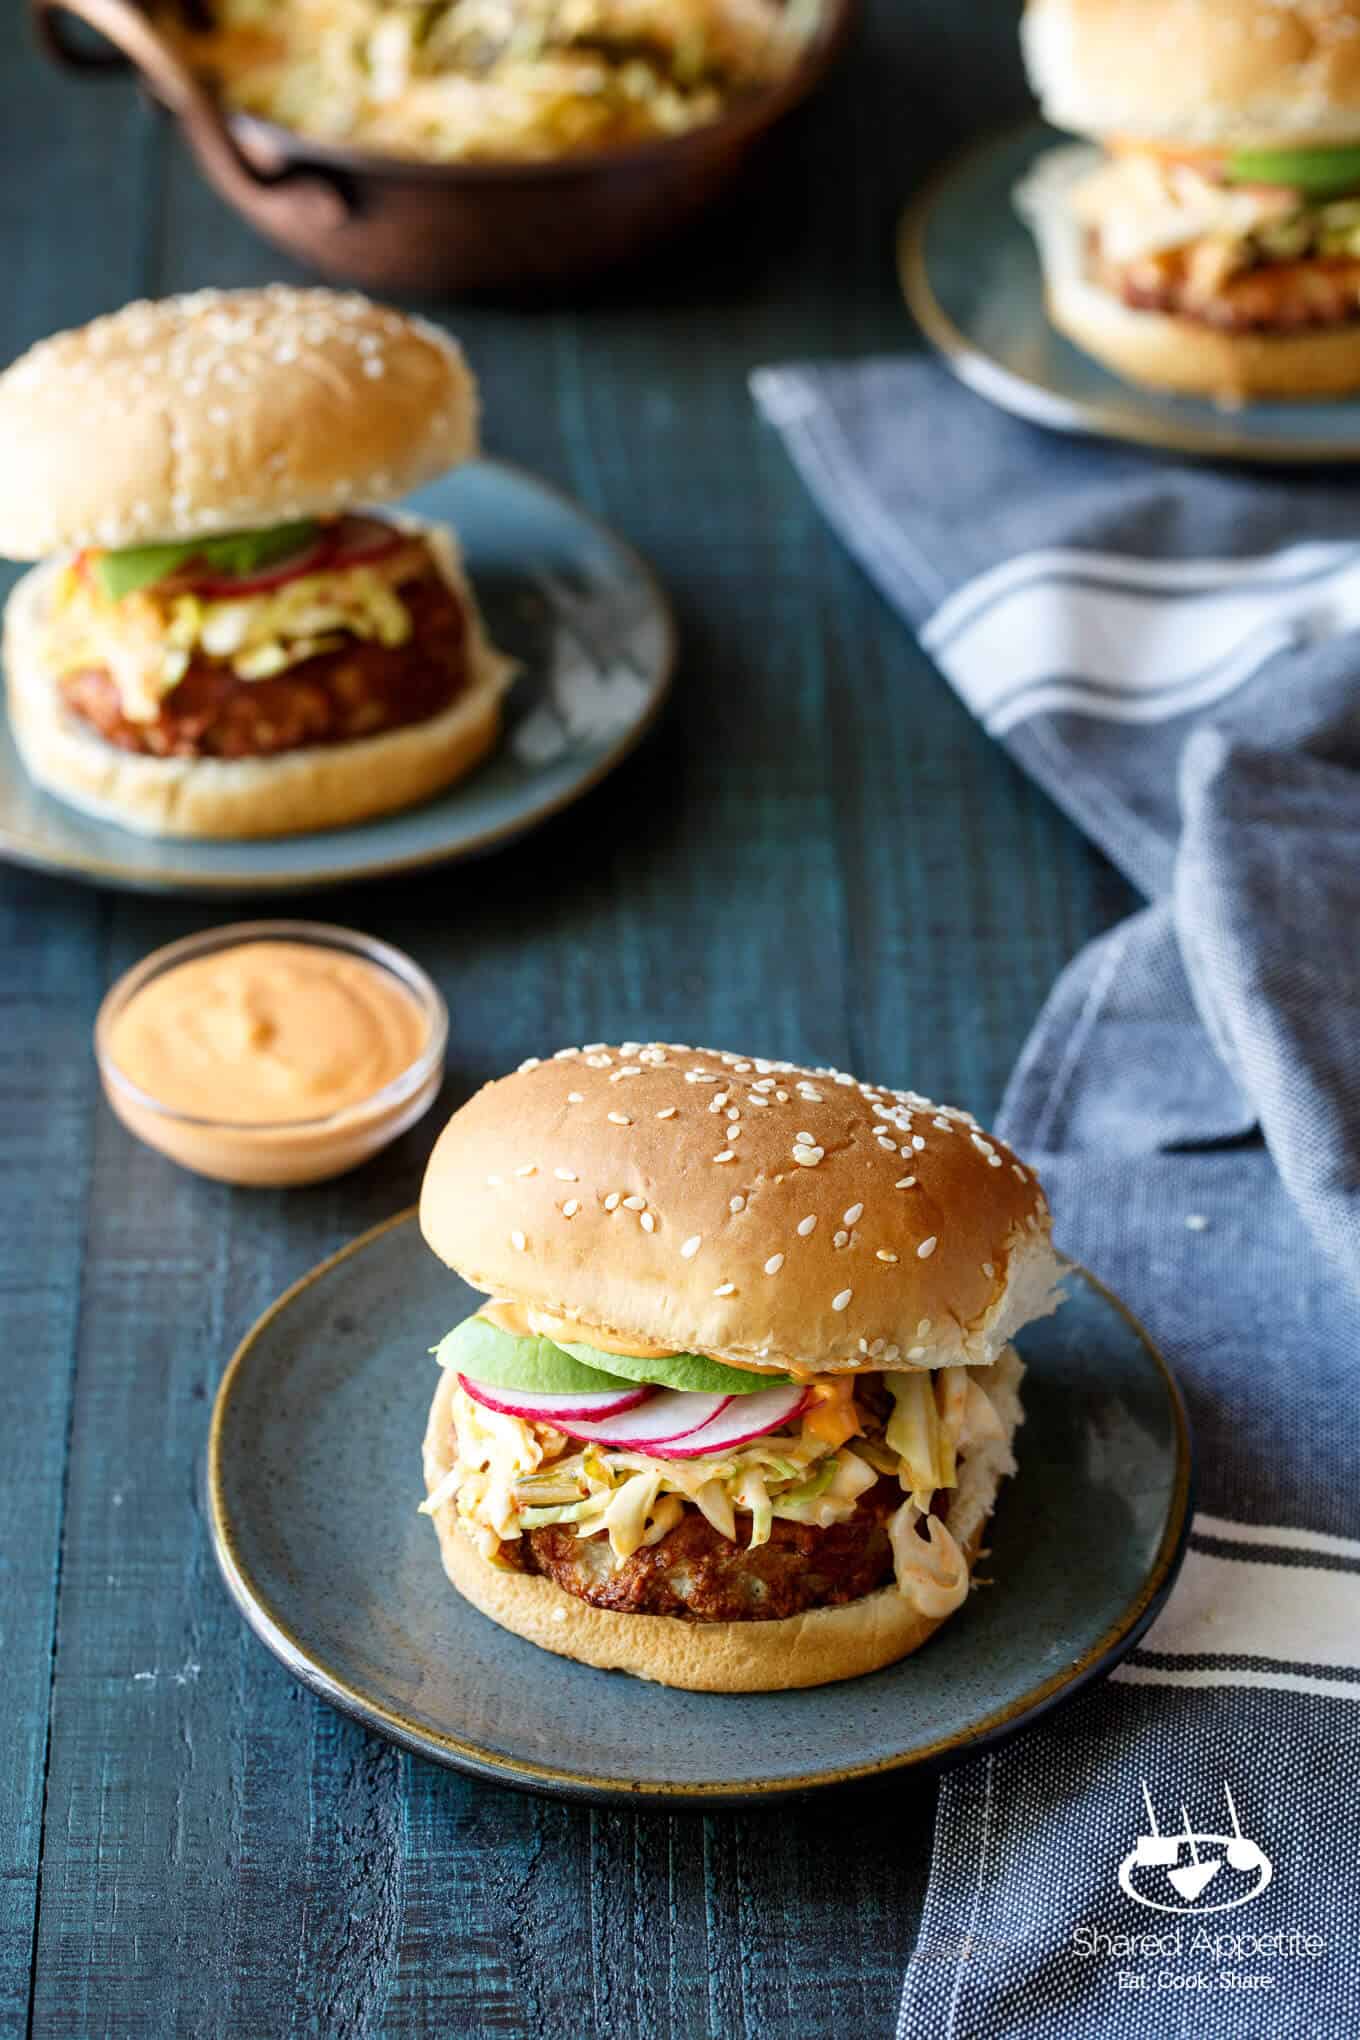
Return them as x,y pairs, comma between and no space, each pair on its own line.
575,1098
593,1048
807,1157
518,1242
527,1169
620,1119
691,1246
635,1203
734,1112
612,1201
927,1248
774,1264
876,1349
763,1084
884,1255
984,1147
737,1203
727,1155
891,1353
754,1098
565,1175
993,1161
988,1270
923,1328
647,1222
905,1183
733,1132
571,1207
807,1225
890,1145
917,1142
839,1302
855,1213
725,1289
878,1129
1018,1173
842,1239
916,1352
529,1063
599,1062
805,1138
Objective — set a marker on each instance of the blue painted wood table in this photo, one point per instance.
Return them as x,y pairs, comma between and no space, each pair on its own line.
817,854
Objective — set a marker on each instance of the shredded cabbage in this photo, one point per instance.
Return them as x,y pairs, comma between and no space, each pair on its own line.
512,1475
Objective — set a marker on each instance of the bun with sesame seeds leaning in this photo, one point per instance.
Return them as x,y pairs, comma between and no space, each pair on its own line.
223,638
1211,243
738,1408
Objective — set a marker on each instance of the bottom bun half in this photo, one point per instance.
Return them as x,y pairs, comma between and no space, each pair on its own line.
323,786
1164,350
814,1649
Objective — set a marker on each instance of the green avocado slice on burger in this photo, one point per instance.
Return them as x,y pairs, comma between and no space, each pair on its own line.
1314,173
484,1352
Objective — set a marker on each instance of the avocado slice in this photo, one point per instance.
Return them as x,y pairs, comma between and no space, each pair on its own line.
1317,173
680,1370
234,552
484,1352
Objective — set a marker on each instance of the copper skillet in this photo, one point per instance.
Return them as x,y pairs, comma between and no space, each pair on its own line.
389,221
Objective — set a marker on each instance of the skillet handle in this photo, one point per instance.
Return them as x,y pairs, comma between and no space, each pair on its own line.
288,199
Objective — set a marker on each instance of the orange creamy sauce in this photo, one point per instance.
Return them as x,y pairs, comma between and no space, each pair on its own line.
268,1034
523,1321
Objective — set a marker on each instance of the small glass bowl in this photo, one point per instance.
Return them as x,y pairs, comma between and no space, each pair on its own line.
285,1151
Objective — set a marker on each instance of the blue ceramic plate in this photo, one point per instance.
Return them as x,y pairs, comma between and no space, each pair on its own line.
314,1482
971,277
593,634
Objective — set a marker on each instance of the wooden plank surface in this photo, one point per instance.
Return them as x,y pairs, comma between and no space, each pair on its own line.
818,854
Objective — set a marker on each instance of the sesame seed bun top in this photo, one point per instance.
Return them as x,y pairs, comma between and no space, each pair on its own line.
223,411
1241,73
756,1211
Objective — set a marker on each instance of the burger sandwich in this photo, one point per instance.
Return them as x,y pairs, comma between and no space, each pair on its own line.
737,1407
1209,243
225,638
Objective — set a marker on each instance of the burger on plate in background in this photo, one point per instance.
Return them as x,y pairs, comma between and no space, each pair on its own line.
737,1409
227,640
1211,243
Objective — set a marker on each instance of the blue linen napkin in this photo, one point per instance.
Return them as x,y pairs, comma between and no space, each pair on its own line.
1166,651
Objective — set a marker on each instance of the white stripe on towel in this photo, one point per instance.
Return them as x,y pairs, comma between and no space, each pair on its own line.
1132,640
1303,1620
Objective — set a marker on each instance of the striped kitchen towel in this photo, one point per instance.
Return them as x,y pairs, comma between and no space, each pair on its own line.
1169,652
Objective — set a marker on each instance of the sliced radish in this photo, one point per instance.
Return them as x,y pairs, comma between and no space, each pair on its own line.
674,1413
312,558
746,1417
552,1409
357,540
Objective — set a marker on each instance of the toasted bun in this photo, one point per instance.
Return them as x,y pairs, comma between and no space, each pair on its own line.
943,1268
324,786
1240,73
224,411
1159,349
814,1649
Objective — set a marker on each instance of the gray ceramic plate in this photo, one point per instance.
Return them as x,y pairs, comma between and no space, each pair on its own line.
971,277
313,1486
593,634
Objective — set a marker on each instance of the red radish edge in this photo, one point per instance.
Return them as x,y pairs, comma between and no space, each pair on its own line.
753,1417
352,542
672,1413
551,1409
